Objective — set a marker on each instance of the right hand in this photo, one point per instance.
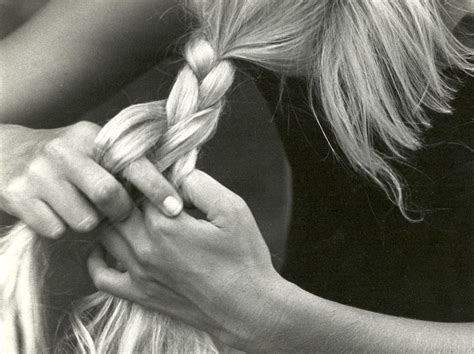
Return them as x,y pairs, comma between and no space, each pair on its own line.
49,180
214,273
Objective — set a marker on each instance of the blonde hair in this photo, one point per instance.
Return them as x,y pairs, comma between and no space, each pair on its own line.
373,65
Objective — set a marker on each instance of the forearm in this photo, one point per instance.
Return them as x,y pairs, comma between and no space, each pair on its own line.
74,53
302,322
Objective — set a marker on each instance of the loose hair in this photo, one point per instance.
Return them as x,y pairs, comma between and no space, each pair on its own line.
374,67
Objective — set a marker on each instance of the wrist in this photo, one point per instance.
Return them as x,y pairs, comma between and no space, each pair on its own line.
275,317
263,315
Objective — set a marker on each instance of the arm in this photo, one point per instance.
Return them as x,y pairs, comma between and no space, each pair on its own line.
49,179
58,64
221,273
247,155
73,53
246,152
302,322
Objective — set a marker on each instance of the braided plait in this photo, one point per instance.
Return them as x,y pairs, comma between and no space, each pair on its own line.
194,105
170,132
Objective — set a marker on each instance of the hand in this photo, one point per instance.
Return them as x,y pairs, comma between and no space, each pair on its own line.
214,275
49,179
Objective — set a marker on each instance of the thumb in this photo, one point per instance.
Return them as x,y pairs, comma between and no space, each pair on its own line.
208,195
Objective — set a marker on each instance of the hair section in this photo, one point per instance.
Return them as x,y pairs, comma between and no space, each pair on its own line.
375,66
382,64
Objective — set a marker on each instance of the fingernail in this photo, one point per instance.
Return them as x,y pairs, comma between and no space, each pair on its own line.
88,223
57,231
172,205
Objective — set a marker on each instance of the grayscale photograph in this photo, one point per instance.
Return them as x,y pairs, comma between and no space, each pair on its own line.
236,176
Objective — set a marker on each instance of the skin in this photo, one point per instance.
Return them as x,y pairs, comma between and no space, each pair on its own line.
216,275
103,45
73,54
242,146
49,179
252,307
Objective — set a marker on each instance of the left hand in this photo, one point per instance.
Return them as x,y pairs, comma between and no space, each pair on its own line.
214,275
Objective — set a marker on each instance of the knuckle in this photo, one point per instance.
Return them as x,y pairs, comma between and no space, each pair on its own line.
156,225
37,167
138,275
106,191
144,255
85,128
55,147
15,190
98,279
112,199
240,203
236,205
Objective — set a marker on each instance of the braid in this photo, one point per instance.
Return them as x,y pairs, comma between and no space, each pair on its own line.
194,105
170,133
330,44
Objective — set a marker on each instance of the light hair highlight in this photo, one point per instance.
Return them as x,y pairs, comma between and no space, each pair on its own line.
374,66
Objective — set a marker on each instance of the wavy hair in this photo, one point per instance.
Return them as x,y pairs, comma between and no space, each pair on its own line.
374,67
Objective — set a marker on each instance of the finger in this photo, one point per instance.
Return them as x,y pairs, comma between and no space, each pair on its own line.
135,234
161,298
161,225
134,231
40,218
70,205
157,296
209,196
110,280
118,248
100,187
144,175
